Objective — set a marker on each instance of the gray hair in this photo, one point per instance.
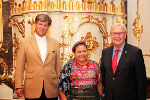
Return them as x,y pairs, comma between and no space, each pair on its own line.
43,18
119,24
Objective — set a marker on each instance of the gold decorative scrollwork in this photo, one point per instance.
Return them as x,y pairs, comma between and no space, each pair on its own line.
72,25
147,55
4,70
138,29
91,43
2,49
4,67
16,44
80,6
31,21
20,26
121,20
1,43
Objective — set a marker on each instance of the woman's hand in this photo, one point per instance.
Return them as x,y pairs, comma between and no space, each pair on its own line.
100,88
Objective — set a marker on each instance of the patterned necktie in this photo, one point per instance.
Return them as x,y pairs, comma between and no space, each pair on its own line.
114,61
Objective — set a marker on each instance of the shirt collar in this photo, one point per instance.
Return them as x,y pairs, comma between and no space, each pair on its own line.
40,38
120,49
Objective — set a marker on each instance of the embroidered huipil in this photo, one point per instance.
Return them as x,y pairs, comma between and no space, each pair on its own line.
85,76
69,77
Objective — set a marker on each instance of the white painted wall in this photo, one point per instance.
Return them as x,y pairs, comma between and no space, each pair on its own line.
5,92
144,11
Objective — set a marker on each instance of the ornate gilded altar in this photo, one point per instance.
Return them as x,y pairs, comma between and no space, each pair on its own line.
72,20
73,14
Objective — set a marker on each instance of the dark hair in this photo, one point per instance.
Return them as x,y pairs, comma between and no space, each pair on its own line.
43,18
77,44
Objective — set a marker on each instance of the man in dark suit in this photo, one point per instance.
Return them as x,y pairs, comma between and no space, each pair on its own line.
124,79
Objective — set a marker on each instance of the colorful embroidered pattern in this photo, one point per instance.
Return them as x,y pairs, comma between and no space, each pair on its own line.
85,76
65,76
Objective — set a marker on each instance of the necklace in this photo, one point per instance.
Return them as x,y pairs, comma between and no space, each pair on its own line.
85,66
81,68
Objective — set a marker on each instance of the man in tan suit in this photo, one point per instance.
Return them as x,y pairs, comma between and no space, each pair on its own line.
41,56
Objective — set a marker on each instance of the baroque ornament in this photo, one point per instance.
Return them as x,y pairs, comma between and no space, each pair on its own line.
72,27
91,42
138,29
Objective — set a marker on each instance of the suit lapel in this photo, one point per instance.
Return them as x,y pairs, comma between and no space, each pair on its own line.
35,46
123,57
110,59
48,47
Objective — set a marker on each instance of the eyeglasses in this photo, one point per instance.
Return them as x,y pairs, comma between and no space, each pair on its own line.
118,33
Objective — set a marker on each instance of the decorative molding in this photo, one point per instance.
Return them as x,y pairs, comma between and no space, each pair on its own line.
83,6
19,25
1,23
2,49
31,21
121,20
15,44
91,42
147,55
72,26
3,66
6,72
138,29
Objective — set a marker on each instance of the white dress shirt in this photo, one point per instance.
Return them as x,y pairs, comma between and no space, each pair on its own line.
42,45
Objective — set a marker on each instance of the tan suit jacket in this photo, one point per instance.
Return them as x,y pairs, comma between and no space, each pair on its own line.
29,59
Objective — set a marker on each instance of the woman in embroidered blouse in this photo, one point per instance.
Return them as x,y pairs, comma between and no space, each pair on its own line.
80,78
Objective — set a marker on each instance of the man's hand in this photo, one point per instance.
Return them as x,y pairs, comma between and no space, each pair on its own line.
19,92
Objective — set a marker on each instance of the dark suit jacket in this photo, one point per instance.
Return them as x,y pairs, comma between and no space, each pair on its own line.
129,81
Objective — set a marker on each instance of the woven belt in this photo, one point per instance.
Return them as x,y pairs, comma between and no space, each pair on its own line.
84,93
78,90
